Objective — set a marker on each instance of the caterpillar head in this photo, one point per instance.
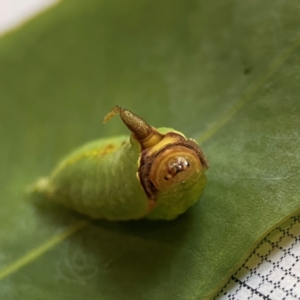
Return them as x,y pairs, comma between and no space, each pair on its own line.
174,165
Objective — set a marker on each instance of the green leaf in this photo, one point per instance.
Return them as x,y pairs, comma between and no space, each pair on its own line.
225,73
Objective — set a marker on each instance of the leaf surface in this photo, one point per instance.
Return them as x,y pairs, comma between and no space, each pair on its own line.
225,73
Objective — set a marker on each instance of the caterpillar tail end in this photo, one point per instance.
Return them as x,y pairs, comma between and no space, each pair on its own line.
40,187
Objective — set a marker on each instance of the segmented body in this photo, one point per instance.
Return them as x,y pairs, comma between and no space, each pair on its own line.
100,180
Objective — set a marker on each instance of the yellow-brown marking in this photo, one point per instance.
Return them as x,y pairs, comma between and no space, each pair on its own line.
95,153
109,148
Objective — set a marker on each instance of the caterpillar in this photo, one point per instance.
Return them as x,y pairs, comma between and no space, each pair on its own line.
153,174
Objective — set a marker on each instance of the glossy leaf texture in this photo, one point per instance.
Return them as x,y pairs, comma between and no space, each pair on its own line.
223,72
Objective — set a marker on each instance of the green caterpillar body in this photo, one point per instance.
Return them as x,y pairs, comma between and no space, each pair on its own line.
105,180
99,177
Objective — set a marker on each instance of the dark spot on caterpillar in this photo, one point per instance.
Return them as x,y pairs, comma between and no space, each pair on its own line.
247,70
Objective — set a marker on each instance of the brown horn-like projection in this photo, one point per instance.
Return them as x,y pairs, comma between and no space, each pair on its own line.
146,135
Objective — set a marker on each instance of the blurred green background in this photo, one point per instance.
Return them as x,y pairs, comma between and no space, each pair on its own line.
223,72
